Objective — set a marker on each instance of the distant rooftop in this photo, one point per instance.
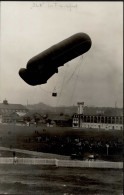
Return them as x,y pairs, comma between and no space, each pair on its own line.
6,105
5,102
103,111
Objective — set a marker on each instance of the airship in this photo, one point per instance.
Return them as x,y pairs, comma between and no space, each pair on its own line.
44,65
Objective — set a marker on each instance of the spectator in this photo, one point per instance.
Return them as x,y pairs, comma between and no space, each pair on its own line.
14,158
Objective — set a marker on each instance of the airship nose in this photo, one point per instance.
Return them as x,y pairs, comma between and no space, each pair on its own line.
26,76
30,77
22,73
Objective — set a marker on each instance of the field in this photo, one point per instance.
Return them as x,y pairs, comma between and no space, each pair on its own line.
14,133
27,179
35,179
23,137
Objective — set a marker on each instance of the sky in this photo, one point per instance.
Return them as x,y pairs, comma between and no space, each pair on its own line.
28,28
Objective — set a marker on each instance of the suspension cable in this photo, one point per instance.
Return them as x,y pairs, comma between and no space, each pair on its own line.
76,68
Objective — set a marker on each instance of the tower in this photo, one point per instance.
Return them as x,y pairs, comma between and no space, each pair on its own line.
80,107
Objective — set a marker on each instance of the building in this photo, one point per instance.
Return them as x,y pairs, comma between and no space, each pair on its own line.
10,117
99,118
11,112
59,120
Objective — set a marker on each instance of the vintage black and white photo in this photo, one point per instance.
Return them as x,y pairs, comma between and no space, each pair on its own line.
61,97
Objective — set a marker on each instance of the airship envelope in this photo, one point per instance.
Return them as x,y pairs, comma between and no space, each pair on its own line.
42,66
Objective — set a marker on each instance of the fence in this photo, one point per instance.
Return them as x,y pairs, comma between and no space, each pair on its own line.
62,163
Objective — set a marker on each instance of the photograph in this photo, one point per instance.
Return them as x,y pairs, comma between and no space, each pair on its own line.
61,97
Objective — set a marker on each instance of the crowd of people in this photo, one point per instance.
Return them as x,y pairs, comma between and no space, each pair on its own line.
73,144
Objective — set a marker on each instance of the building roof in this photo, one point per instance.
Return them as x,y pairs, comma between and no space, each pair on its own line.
103,111
56,117
11,115
12,106
33,114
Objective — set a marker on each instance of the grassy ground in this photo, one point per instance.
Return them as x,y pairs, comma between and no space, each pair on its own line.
14,130
17,136
27,179
50,180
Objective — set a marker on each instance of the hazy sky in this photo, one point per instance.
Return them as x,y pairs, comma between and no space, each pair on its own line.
28,28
